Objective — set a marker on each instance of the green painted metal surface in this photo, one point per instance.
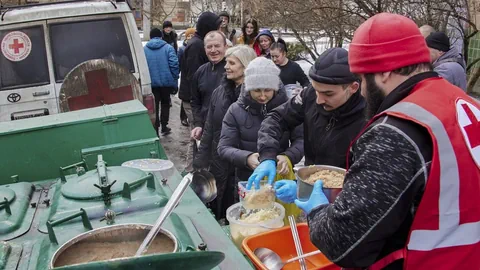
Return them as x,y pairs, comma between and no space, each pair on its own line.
35,152
34,149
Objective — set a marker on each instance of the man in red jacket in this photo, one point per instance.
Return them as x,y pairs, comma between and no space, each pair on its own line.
411,196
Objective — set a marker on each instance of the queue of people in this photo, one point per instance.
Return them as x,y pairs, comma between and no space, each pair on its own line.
411,191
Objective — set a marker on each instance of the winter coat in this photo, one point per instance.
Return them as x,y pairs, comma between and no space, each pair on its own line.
181,50
452,68
225,95
372,216
327,134
207,78
256,43
241,40
162,63
171,39
194,55
240,129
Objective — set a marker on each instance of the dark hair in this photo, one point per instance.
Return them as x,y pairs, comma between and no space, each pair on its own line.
247,38
280,45
405,71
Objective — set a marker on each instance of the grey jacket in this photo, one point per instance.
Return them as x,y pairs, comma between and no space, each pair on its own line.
452,68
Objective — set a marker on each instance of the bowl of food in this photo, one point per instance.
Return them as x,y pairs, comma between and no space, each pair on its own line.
256,199
331,176
244,223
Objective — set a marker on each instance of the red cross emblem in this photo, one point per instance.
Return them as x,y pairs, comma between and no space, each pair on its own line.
16,46
99,92
468,117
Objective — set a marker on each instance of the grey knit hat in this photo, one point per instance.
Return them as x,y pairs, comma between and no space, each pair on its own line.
262,73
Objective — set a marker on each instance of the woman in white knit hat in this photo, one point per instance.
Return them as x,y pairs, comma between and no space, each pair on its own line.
237,59
262,92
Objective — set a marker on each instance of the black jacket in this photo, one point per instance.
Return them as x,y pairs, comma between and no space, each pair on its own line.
224,96
194,55
373,214
205,80
240,128
327,134
171,39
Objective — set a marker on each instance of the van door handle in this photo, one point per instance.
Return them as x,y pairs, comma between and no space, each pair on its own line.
41,93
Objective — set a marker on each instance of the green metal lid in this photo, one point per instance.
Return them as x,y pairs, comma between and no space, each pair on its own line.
83,187
6,193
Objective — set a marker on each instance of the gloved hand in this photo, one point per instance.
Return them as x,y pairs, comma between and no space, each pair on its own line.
286,190
266,168
316,198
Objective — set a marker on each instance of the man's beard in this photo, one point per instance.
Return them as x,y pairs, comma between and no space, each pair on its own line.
374,96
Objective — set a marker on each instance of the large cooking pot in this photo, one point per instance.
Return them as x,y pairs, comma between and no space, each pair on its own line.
304,189
111,244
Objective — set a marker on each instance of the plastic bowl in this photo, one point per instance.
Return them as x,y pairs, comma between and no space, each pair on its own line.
305,189
242,192
240,230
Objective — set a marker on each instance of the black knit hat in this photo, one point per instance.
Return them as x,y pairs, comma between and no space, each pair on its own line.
439,41
155,32
331,67
167,24
224,14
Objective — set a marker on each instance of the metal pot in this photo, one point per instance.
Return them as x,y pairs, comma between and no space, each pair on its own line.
78,250
204,185
305,189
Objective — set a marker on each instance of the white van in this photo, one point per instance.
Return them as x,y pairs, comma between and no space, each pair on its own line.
40,44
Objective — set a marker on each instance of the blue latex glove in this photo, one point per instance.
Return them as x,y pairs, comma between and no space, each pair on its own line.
286,190
316,198
266,168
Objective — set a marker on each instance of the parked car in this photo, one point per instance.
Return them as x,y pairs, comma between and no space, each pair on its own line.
41,43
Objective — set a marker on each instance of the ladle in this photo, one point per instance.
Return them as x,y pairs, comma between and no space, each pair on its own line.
272,261
167,210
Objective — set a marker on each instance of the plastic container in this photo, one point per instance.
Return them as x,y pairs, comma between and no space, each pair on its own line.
304,189
161,168
281,241
243,192
240,230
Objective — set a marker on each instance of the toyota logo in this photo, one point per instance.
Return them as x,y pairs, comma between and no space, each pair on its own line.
14,97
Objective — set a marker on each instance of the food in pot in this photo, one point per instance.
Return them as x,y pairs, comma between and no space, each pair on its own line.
102,249
331,179
263,198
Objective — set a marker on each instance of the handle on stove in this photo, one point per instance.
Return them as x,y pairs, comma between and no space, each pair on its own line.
53,223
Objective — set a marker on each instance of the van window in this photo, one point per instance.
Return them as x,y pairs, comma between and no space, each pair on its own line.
23,59
77,42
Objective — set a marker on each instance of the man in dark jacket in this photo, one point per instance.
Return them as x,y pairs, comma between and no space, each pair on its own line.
193,57
163,66
446,61
206,79
224,27
169,35
332,113
412,187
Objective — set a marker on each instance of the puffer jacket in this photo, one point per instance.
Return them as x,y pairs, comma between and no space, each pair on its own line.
194,55
451,67
256,43
240,129
162,63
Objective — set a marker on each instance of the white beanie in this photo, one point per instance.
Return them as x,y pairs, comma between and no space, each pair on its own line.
262,73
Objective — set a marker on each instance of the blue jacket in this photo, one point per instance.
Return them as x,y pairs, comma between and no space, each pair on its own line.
162,63
451,67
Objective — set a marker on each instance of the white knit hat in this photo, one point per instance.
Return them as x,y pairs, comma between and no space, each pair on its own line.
262,73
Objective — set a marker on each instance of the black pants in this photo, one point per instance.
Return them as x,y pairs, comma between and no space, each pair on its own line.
225,182
183,114
163,100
